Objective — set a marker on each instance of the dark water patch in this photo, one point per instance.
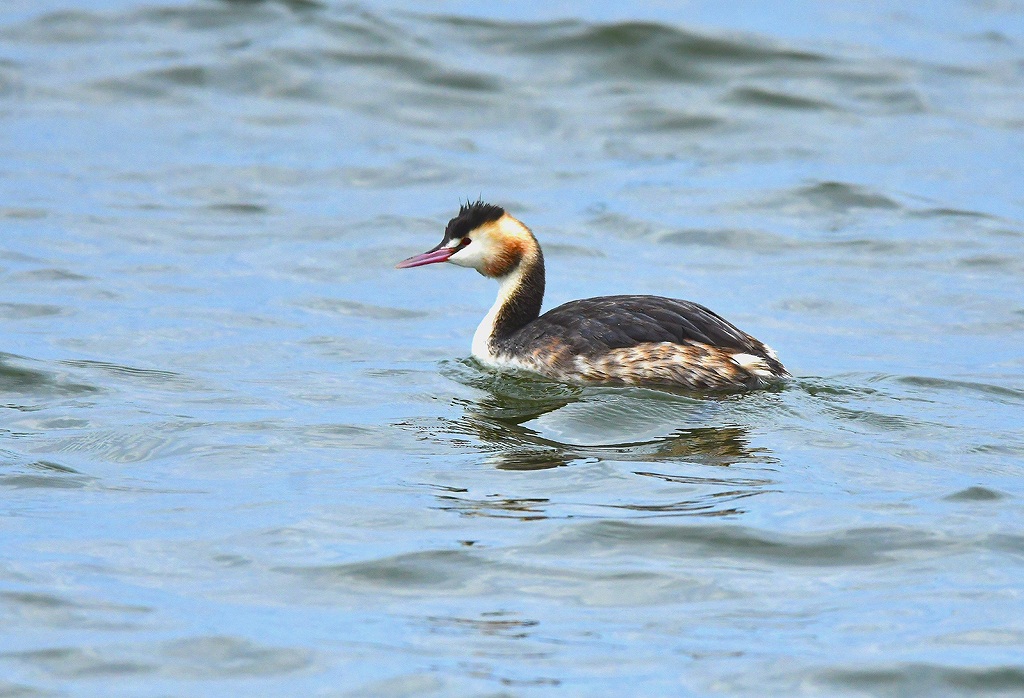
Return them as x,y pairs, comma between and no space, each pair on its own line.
841,197
996,392
41,482
153,378
418,70
740,240
868,75
296,5
365,30
51,467
1006,542
928,679
717,504
992,36
996,328
333,436
713,480
893,100
198,657
184,75
411,573
992,262
976,493
843,205
28,311
858,406
145,374
48,480
874,248
22,213
845,385
251,77
133,88
339,306
506,680
493,624
404,173
626,226
824,307
1012,450
211,657
458,573
878,421
227,197
571,251
990,637
16,690
57,611
962,70
760,97
20,257
51,274
11,83
15,377
954,213
408,685
76,662
1004,232
210,17
239,208
342,348
665,120
838,548
62,27
650,51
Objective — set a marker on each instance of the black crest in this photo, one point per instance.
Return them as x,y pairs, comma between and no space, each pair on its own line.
471,216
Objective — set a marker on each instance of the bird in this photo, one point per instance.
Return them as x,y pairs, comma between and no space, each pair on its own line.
624,340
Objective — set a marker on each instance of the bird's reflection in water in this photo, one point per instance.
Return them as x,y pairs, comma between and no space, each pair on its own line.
527,424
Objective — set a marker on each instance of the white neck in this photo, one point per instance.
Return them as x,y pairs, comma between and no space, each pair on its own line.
482,350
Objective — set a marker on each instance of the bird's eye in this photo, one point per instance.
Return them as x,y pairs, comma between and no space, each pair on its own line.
463,242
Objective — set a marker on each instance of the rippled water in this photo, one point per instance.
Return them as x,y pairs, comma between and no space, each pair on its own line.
241,452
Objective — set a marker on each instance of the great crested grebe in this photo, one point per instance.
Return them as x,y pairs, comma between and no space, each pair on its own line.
612,340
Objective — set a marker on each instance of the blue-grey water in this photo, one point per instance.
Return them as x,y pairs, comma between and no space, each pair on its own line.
244,455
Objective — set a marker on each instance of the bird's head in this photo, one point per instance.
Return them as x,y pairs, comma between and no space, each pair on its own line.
483,237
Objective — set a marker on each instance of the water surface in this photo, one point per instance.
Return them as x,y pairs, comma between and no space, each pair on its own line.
241,452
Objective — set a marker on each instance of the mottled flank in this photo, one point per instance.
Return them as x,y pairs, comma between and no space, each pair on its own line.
639,340
695,366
